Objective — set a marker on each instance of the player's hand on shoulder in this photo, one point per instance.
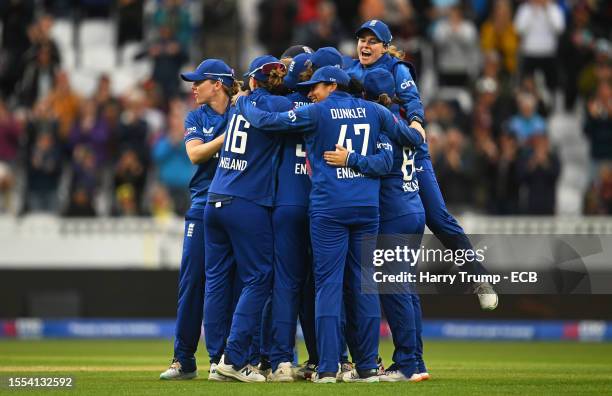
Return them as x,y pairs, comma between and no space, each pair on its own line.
238,95
337,157
417,125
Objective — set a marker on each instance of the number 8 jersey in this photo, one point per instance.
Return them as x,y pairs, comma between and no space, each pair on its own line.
249,157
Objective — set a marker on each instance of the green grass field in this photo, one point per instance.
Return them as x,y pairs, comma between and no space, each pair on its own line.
132,367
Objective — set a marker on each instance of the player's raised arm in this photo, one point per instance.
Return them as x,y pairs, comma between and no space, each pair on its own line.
297,121
407,91
373,165
397,130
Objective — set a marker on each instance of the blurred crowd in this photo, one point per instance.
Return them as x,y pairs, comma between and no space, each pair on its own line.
499,70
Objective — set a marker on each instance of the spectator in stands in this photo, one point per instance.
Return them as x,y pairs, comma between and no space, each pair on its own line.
456,44
130,171
15,17
597,71
91,130
168,55
125,199
325,31
154,107
454,171
221,34
173,165
173,16
540,176
602,190
276,24
39,64
132,131
491,108
598,125
445,114
497,34
43,173
103,94
65,103
576,49
534,87
540,23
85,174
527,123
10,135
504,177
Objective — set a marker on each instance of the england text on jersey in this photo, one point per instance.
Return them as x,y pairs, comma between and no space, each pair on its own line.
347,173
232,163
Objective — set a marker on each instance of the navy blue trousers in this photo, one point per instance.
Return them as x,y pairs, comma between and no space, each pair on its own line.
402,307
190,291
441,223
238,233
337,237
291,266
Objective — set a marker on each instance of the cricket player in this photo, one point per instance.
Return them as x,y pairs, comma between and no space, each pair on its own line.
238,219
213,84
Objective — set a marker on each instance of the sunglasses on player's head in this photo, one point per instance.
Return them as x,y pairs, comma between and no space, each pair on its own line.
266,68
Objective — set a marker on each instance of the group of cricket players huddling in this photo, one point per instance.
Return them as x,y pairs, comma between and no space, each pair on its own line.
297,167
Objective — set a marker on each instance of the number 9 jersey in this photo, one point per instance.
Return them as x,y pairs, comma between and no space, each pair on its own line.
249,157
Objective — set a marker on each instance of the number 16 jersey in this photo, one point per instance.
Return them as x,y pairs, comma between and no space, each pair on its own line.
249,157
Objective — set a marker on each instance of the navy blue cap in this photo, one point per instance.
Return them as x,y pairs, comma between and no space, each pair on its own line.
296,67
261,67
211,69
326,74
326,56
379,28
378,81
295,50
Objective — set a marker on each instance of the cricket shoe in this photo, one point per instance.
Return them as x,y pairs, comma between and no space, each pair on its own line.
361,376
345,367
175,372
265,368
213,375
381,366
247,373
425,376
324,378
283,373
306,371
486,296
392,374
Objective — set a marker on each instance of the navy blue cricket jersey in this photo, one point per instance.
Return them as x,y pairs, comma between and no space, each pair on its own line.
340,119
293,179
249,158
399,190
405,87
203,124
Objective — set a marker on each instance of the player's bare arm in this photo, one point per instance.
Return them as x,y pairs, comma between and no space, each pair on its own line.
200,152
